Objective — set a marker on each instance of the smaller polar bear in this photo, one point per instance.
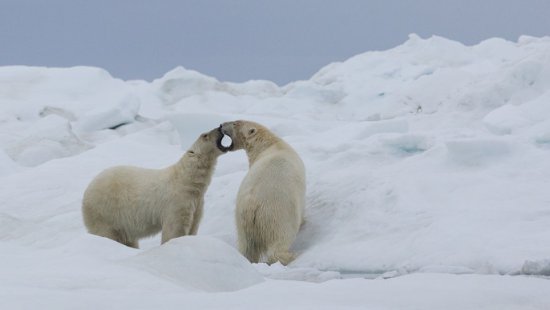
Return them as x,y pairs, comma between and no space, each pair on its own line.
271,198
127,203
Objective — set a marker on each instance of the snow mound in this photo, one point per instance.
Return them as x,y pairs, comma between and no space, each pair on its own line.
48,138
124,113
541,134
50,108
202,263
540,267
77,90
7,165
181,84
279,272
510,118
476,151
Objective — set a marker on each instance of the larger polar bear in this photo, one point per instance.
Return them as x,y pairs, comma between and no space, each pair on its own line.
271,198
127,203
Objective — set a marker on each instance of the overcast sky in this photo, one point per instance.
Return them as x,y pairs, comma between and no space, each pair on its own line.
278,40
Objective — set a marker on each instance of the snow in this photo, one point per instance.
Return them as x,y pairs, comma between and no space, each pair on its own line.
200,263
427,175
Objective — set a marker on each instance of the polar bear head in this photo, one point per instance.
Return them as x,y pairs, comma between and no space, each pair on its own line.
209,143
247,135
240,132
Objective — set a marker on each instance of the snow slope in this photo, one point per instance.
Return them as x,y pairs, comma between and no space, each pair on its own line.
427,170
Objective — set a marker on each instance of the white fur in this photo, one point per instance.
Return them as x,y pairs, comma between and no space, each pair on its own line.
271,198
129,203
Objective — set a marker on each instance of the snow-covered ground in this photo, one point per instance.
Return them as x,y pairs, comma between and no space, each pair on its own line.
428,174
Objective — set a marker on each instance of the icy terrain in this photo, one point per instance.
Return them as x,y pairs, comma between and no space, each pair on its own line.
428,175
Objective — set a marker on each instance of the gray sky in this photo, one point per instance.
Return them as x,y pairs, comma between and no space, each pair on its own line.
278,40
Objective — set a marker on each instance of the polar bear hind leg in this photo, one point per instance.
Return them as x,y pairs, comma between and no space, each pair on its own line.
249,235
247,244
279,252
250,251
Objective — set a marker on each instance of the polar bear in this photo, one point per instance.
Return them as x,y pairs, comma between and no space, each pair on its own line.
127,203
271,198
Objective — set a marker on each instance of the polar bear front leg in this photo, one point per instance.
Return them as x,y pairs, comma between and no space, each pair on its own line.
196,220
177,223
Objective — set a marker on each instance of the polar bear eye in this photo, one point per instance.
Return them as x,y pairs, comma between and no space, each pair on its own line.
251,131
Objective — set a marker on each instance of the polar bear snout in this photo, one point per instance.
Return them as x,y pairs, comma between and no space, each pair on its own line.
231,131
224,142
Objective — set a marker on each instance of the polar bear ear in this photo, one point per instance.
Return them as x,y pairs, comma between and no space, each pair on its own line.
204,136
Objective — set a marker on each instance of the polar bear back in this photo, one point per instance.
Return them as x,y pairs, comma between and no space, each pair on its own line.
125,193
278,176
